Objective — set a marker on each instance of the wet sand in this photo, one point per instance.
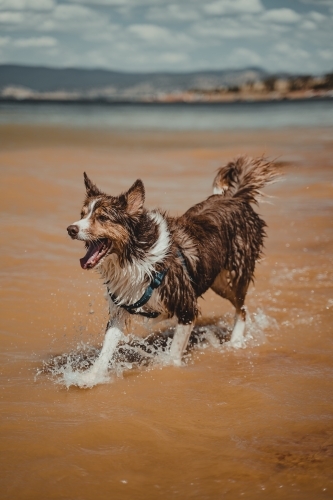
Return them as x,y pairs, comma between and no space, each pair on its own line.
254,422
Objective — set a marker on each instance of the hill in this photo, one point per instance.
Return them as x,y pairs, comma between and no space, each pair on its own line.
97,83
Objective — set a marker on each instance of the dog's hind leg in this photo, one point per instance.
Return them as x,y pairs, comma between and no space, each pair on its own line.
225,288
179,343
237,336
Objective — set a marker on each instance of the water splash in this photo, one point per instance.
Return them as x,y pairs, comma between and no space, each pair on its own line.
133,352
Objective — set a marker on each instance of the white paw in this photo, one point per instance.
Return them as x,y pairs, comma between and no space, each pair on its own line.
86,379
171,360
237,343
176,361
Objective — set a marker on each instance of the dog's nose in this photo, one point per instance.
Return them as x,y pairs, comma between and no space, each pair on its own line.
73,230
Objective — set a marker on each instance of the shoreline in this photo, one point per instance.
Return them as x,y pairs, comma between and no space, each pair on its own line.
226,100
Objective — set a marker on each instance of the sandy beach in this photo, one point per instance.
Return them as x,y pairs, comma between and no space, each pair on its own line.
254,422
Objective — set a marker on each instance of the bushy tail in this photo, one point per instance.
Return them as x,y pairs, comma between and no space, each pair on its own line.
244,177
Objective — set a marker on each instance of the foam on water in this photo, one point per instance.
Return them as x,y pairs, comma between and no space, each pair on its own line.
132,352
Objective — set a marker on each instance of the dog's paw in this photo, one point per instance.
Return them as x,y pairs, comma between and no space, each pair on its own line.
176,362
236,343
87,379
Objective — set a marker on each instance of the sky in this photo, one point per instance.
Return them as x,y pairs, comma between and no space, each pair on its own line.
294,36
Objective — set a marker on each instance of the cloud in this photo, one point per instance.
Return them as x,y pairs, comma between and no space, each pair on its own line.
173,12
227,28
288,56
66,17
316,16
308,25
291,51
221,7
36,42
243,57
4,40
173,57
150,32
129,57
39,5
326,54
10,18
120,3
281,16
155,35
318,2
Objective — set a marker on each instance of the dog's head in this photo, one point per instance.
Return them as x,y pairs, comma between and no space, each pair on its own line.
107,221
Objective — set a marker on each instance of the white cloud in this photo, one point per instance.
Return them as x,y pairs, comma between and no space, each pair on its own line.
10,18
173,57
43,41
281,16
66,17
27,5
130,57
286,48
308,25
326,54
112,34
316,2
233,7
173,12
155,36
4,40
287,56
243,57
316,16
120,3
150,32
228,28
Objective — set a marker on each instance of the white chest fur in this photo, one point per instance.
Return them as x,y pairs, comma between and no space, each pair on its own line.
129,282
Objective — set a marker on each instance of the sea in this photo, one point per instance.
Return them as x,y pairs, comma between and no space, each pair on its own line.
179,116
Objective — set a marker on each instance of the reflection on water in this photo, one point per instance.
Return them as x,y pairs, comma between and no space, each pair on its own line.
231,423
175,116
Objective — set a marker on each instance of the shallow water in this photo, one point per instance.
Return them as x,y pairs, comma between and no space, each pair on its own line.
254,422
181,116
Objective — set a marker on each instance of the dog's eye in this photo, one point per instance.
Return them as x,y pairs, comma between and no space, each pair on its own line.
102,218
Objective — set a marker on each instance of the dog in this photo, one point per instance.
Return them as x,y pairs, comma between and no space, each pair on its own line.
157,266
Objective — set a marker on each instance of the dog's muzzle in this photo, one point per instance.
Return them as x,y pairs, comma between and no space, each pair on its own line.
73,231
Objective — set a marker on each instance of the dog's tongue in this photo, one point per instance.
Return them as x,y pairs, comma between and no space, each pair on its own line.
91,257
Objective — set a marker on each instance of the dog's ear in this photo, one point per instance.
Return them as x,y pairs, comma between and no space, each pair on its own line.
92,189
135,198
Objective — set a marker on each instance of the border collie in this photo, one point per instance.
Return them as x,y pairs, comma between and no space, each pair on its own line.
155,265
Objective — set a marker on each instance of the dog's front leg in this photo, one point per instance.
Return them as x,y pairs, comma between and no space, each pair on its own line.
179,343
98,372
112,337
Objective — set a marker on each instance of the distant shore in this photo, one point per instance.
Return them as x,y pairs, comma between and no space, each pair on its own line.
184,98
62,85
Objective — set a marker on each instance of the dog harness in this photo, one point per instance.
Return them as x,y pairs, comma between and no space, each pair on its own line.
155,283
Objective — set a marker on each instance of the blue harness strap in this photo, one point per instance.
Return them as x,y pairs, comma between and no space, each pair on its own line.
155,283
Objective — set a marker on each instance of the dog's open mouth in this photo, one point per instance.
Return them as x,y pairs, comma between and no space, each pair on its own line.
95,252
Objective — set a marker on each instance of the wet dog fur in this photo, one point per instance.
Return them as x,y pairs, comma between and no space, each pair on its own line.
215,244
